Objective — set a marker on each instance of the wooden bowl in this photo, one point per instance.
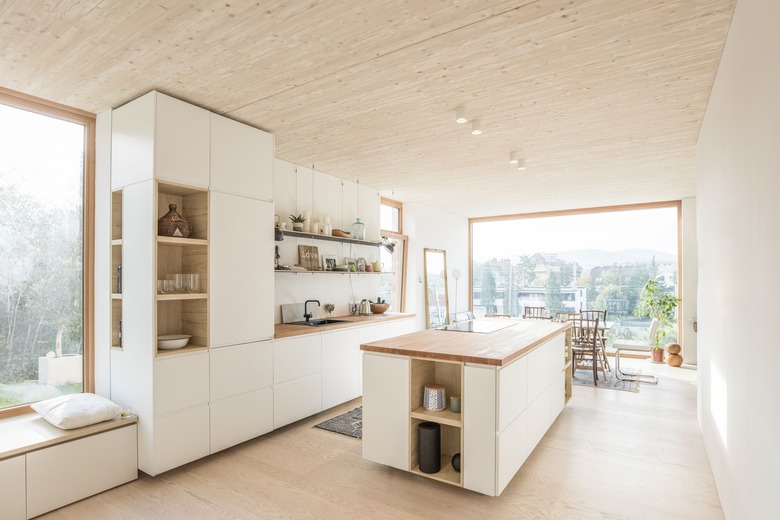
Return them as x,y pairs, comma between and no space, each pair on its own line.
379,308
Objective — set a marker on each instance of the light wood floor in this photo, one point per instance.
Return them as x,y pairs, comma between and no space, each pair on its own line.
610,454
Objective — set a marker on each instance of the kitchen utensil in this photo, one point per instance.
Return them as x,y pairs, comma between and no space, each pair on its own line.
365,307
173,341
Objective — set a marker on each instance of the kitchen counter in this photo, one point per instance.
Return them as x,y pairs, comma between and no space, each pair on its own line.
496,348
286,330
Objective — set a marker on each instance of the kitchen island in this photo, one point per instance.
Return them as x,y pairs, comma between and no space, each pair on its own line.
513,376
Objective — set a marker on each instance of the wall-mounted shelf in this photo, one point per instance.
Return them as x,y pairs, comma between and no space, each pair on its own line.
315,236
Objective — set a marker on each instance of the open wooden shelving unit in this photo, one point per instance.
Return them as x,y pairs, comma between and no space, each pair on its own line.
116,261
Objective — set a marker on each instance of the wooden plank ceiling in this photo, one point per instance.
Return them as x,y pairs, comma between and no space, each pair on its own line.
604,98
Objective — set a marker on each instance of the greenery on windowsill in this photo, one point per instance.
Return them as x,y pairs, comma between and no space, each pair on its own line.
656,304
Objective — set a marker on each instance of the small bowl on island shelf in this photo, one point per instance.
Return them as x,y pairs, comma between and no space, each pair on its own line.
379,308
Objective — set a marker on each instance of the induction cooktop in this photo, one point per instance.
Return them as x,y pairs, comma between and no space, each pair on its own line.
479,326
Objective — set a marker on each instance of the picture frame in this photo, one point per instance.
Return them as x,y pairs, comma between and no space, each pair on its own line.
329,262
309,258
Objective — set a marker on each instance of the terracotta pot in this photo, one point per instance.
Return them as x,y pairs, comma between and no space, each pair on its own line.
657,355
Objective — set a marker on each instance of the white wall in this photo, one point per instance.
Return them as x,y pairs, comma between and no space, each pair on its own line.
738,188
102,287
689,282
430,228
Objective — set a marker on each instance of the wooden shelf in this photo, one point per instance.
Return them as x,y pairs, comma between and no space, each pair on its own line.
183,350
315,236
116,296
116,242
447,474
444,417
179,241
182,296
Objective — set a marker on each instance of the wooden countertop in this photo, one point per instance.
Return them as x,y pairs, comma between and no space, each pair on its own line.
282,330
496,348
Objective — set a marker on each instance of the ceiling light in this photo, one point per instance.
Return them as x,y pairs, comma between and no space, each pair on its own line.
461,116
476,126
521,164
514,157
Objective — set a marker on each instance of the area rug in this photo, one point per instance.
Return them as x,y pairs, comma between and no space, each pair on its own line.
350,423
584,377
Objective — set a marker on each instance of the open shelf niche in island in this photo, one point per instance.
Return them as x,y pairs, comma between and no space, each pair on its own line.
450,375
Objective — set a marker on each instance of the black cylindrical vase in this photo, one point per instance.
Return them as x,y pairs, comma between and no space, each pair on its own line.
429,447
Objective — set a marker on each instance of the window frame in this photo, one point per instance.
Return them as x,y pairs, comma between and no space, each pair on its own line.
384,201
58,111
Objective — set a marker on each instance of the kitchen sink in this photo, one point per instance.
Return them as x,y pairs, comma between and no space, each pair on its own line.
317,323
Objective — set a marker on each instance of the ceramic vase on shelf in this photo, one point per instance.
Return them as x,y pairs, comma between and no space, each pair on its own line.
358,230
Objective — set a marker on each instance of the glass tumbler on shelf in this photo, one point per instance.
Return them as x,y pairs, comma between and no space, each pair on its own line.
193,283
178,283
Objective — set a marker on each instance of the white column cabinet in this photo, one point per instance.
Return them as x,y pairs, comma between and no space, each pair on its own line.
242,272
157,136
242,159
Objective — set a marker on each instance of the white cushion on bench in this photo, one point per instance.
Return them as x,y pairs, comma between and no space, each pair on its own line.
77,410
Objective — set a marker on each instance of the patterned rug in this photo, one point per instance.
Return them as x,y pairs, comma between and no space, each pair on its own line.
584,377
350,423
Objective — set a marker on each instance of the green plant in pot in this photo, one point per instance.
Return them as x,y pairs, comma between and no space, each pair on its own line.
297,222
654,303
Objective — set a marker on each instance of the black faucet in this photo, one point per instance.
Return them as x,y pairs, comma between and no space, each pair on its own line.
306,313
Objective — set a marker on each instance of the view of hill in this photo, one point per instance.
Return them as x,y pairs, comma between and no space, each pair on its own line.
589,258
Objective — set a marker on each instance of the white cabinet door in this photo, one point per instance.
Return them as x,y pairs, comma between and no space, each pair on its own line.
479,432
297,399
180,438
386,410
512,451
132,142
342,348
539,415
242,159
239,418
12,488
73,470
240,369
297,357
241,270
180,382
340,385
512,391
182,142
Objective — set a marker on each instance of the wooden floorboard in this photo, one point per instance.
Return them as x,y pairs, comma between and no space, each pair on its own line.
610,454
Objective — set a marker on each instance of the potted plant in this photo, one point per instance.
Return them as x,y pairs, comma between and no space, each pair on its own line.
656,304
297,222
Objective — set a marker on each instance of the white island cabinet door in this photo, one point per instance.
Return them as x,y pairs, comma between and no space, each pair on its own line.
241,285
182,138
386,409
242,159
12,488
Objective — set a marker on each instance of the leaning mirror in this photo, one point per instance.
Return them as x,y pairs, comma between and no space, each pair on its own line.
436,307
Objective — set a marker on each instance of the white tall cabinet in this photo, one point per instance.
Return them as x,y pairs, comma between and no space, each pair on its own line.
217,391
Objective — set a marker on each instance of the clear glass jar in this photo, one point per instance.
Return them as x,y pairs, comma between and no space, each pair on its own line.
358,230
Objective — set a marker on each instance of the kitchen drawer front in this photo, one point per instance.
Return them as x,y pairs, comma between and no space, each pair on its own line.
340,385
544,363
297,357
240,369
181,438
74,470
539,417
512,451
341,348
240,418
294,400
181,382
13,488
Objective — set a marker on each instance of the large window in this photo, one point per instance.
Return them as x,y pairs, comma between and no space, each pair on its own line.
572,261
44,337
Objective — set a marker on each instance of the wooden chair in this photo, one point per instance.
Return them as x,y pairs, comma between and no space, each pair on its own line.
536,313
585,345
602,317
636,346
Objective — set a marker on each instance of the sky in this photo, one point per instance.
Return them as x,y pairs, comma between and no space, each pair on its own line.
42,156
654,229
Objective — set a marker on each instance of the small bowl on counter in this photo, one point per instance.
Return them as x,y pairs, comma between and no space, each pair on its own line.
379,308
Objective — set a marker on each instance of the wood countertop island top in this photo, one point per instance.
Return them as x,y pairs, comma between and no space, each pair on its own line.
496,348
286,330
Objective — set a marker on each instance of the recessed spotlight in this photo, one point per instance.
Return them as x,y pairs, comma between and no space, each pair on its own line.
521,164
476,126
461,116
514,157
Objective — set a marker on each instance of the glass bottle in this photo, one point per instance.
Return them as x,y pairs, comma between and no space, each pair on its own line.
358,230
